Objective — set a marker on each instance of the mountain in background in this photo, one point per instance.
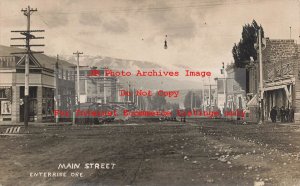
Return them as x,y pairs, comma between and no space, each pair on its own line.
113,63
152,83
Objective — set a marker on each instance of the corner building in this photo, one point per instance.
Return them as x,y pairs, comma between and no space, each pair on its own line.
45,80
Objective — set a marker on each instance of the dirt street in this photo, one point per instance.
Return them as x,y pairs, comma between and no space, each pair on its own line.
166,153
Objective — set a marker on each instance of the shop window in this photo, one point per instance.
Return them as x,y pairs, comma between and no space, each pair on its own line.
5,93
2,93
33,107
48,101
5,100
32,92
47,92
48,107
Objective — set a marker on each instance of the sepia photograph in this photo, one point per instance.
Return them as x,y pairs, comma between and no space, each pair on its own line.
149,92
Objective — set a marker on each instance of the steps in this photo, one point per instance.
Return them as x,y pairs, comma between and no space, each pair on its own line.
13,130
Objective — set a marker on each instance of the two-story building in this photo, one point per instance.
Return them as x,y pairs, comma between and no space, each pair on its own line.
95,87
235,88
51,84
281,77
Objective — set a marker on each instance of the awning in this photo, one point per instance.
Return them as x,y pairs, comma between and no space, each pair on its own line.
274,87
253,102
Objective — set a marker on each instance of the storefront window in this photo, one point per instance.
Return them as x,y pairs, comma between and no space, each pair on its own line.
32,92
5,92
48,101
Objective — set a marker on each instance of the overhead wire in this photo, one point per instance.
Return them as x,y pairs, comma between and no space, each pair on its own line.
208,4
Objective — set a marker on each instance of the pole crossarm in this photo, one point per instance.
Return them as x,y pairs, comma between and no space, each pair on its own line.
31,52
40,45
20,38
26,31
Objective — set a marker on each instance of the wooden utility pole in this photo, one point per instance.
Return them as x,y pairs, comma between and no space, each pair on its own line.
128,92
104,87
56,88
28,36
137,101
261,88
128,96
225,87
78,85
78,88
203,95
191,100
210,85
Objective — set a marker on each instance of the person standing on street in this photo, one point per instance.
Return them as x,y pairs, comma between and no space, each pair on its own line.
278,113
292,114
287,114
273,114
282,114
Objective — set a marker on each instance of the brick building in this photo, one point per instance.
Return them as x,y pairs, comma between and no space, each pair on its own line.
281,78
43,83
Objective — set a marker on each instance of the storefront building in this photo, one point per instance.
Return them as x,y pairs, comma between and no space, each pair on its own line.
281,60
45,81
95,87
280,77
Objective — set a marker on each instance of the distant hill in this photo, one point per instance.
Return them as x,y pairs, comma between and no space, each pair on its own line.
145,83
113,63
153,83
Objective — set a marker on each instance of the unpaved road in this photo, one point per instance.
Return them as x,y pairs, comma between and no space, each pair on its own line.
167,153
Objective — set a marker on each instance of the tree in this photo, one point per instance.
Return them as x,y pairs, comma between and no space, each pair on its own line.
196,100
149,100
158,102
172,106
242,51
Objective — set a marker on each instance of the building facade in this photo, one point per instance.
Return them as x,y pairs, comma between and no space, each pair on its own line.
235,88
231,91
46,83
281,77
95,87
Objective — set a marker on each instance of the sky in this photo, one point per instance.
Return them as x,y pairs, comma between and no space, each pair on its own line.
200,33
